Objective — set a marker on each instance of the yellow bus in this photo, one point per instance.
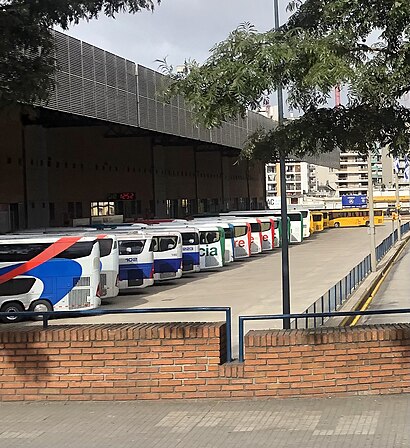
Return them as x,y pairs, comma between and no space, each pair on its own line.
316,222
354,217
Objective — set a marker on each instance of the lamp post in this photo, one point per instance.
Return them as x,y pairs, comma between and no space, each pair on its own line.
372,229
283,205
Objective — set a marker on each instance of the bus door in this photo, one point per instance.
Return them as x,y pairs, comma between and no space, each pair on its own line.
167,248
109,257
210,249
136,262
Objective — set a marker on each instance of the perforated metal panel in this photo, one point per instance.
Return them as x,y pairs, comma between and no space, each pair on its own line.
93,82
99,84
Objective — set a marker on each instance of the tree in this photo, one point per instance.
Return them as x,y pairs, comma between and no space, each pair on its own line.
363,46
27,63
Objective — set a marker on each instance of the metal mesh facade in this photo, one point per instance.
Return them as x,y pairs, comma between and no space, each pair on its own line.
93,82
98,84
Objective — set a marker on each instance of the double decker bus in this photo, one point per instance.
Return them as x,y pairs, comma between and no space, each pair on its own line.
49,273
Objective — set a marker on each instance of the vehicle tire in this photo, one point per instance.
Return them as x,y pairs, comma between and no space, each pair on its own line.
40,305
337,224
11,307
367,223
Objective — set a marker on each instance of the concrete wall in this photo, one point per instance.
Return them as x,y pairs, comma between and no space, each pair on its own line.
187,360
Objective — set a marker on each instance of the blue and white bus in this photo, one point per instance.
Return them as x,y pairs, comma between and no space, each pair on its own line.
136,261
167,248
46,273
190,245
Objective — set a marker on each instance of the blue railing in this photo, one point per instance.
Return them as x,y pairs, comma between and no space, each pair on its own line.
304,316
48,315
337,295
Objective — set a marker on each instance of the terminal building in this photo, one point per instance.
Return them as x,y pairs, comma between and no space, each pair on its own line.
106,147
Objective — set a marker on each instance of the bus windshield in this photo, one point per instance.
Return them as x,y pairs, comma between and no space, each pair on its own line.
240,231
317,218
209,237
132,247
294,217
265,226
190,239
255,227
27,251
105,246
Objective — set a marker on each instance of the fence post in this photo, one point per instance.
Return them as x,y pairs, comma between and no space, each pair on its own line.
228,319
340,292
322,300
241,341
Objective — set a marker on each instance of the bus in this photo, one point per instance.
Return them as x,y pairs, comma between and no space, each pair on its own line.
211,245
354,217
136,261
256,229
268,232
49,273
296,225
108,254
167,248
316,222
305,216
190,245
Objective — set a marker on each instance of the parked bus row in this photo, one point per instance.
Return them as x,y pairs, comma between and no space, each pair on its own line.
66,269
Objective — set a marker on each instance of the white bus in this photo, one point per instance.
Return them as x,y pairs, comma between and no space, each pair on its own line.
136,261
296,225
46,273
268,232
108,254
167,248
256,229
211,245
190,245
306,219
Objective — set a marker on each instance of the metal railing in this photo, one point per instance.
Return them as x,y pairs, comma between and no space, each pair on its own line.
337,295
304,316
48,315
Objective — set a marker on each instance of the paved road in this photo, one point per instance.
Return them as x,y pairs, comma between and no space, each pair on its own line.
365,422
254,286
394,293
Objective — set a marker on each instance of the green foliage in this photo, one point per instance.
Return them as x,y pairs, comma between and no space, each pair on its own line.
364,46
27,62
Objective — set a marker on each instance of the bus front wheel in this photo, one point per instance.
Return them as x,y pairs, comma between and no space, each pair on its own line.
40,306
367,223
337,224
11,307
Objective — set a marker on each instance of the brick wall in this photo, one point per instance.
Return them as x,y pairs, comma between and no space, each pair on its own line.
186,360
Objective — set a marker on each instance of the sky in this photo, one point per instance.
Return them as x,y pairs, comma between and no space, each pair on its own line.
177,29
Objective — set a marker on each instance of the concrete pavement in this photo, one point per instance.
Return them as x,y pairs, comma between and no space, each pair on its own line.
393,293
368,422
252,286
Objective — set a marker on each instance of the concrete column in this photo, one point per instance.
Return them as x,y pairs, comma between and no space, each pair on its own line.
35,156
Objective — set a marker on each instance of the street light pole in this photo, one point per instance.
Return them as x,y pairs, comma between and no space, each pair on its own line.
372,228
283,206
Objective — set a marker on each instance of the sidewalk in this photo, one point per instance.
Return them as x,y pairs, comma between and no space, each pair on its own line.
376,422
